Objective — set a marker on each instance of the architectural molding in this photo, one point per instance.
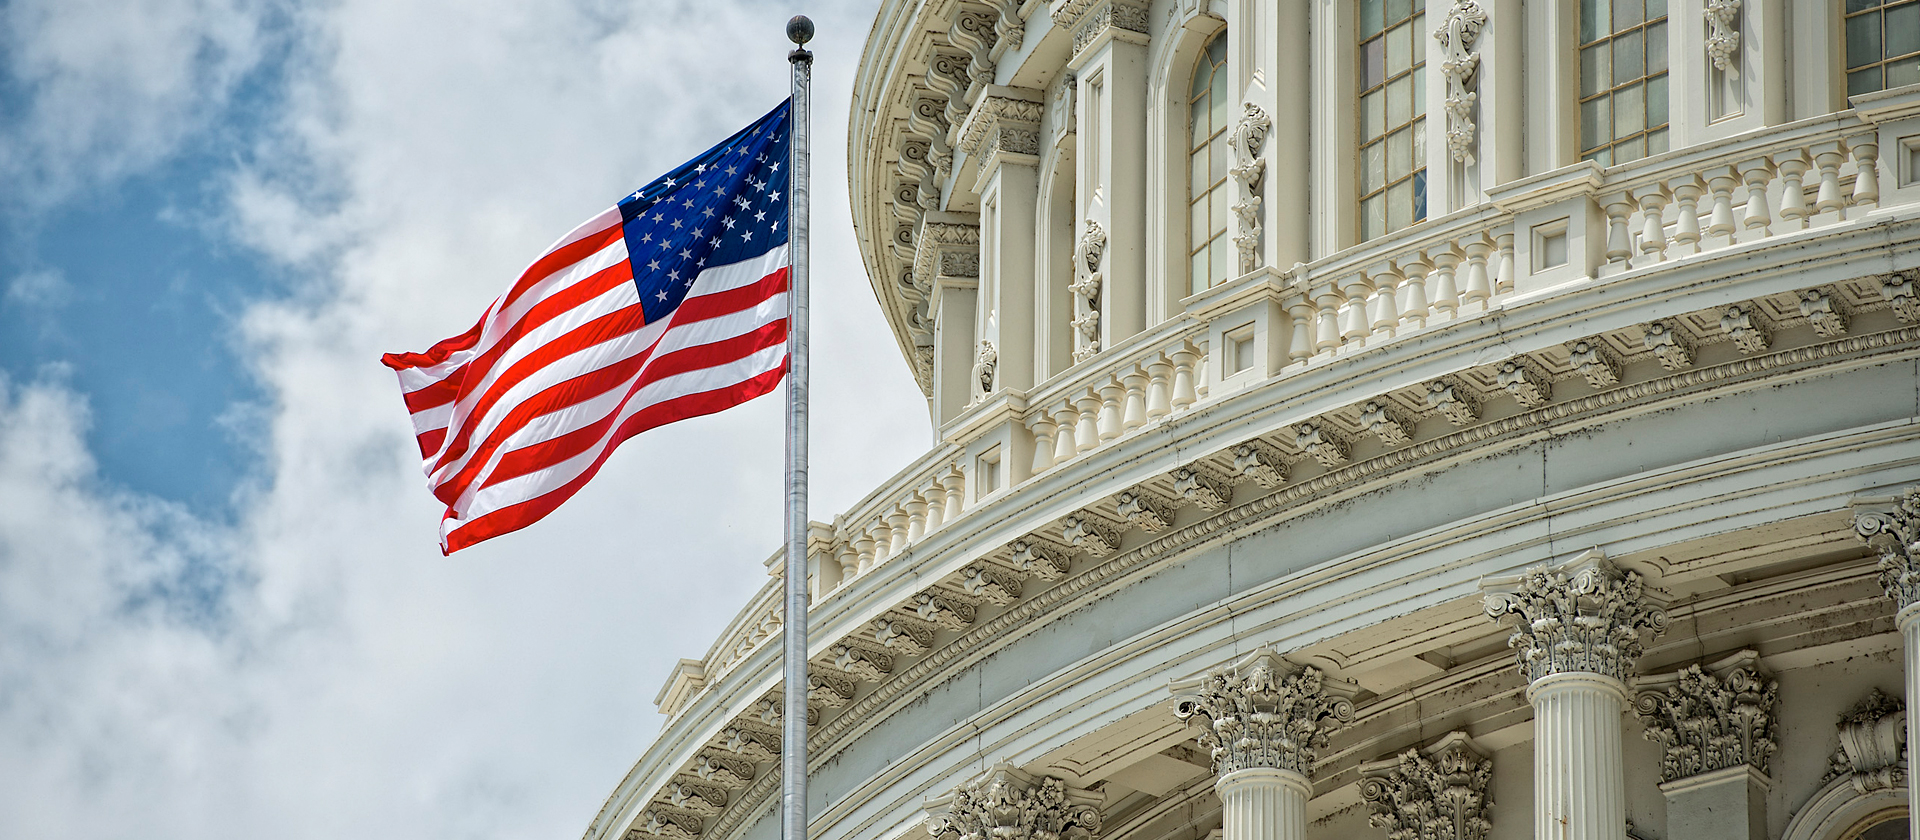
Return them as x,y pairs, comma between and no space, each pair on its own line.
1008,804
1262,712
1711,718
1459,35
1246,140
1873,744
1585,616
1895,534
1666,341
1436,793
1453,400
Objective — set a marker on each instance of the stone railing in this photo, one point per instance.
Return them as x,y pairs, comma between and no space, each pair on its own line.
1138,383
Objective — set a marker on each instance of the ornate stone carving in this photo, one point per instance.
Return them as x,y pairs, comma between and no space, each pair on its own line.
1096,538
753,744
1040,559
945,249
1010,31
1007,804
1322,443
910,638
985,362
1383,421
1586,616
863,663
1723,37
1453,401
1824,311
1458,33
1669,345
1896,535
1439,793
1260,461
1711,718
697,799
990,584
949,612
829,690
1873,740
668,825
1090,19
1202,489
1245,140
1595,363
1897,289
1747,327
720,770
1086,291
1525,382
1262,712
1146,512
1002,123
975,32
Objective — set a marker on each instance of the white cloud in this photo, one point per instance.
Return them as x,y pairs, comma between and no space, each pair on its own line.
46,288
343,679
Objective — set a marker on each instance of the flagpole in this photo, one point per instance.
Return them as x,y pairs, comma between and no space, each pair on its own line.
793,737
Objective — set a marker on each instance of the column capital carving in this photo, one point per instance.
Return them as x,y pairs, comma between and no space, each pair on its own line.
1895,533
1003,120
947,248
1262,711
1092,20
1873,740
1583,616
1006,803
1711,718
1436,793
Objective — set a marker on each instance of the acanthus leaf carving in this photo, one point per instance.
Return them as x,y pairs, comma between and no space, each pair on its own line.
1201,488
1586,616
1898,290
1386,423
1595,363
697,799
1321,442
752,744
1669,345
1008,804
990,583
910,638
1039,559
1260,461
1262,712
1747,327
668,825
1096,538
1873,739
1453,401
1086,290
1711,718
1895,534
829,689
946,611
723,771
1439,793
1145,511
1825,311
1530,387
1458,35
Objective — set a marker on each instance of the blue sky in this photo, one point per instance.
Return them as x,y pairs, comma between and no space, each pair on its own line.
222,609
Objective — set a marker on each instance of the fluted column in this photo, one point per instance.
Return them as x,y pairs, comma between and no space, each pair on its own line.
1263,719
1577,632
1896,535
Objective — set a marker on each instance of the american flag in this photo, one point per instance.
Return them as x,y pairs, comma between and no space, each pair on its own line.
670,304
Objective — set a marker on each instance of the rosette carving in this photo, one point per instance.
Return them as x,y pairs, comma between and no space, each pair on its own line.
1262,712
1007,804
1587,616
1713,718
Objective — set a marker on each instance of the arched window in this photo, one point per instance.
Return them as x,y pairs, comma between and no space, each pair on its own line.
1207,247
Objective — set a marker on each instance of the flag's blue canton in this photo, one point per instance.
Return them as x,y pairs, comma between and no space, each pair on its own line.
727,205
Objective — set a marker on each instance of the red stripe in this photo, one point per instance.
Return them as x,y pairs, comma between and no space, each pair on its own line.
557,259
521,514
437,353
430,442
730,301
439,393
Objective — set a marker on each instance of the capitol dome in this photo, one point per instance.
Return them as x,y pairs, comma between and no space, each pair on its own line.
1400,419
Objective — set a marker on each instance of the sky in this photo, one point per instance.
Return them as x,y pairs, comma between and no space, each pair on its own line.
223,611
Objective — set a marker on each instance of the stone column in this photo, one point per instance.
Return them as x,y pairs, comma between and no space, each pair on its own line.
1003,134
1263,719
1896,535
1715,724
947,262
1007,804
1577,632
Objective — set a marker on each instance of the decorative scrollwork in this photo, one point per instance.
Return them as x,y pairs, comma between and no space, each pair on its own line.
1007,804
1586,616
1263,712
1460,61
1439,793
1895,534
1711,719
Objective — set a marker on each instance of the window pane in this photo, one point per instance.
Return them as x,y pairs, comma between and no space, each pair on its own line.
1596,69
1202,125
1373,216
1420,197
1630,150
1604,157
1217,158
1903,30
1200,271
1197,176
1863,40
1656,142
1397,10
1863,81
1373,63
1400,101
1202,76
1220,99
1656,49
1420,144
1595,23
1218,210
1628,61
1222,263
1217,51
1370,21
1906,71
1400,205
1373,115
1419,43
1596,123
1399,154
1399,50
1857,5
1373,167
1420,92
1626,13
1656,9
1657,102
1629,110
1199,231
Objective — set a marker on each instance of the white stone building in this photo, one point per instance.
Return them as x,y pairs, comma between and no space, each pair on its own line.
1438,419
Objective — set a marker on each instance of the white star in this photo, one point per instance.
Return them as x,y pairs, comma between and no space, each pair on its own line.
701,168
689,203
731,170
702,262
775,196
675,274
760,216
635,196
676,224
647,238
708,212
663,244
774,168
740,201
776,227
657,216
686,254
714,242
728,221
762,158
669,182
663,295
653,265
761,186
746,236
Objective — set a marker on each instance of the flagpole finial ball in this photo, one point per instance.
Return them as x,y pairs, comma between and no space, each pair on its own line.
800,29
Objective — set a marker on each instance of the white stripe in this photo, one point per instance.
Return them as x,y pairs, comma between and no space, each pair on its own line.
606,219
746,272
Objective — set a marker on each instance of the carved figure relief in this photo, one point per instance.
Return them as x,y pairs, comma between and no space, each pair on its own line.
985,362
1458,35
1086,291
1245,140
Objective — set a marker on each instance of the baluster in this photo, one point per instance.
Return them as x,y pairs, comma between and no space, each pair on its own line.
1687,190
1653,231
1159,382
1756,174
1353,313
1041,427
1183,388
1133,410
956,485
1828,156
1446,296
864,552
1066,422
934,496
1619,239
1110,395
1413,299
1474,297
1087,434
1866,159
1300,344
1386,307
1792,166
1720,181
1503,280
916,517
897,523
849,560
1327,334
882,537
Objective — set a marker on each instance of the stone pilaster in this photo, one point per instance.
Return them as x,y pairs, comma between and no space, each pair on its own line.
1007,804
1263,720
1895,534
1436,793
1716,726
1577,633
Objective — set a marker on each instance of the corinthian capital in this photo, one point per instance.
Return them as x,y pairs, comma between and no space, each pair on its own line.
1007,804
1896,535
1262,712
1439,793
1584,616
1711,718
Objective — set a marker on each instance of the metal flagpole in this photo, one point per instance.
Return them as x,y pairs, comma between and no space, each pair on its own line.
793,736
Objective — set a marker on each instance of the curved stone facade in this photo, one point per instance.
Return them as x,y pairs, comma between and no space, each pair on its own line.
1570,497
